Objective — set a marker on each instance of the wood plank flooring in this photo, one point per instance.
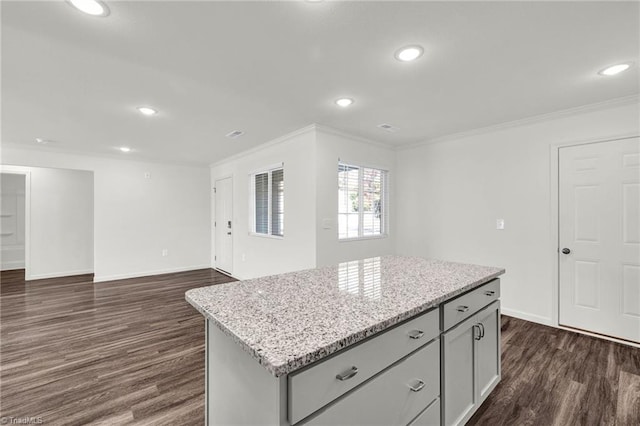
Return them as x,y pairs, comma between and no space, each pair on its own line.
132,352
558,377
121,352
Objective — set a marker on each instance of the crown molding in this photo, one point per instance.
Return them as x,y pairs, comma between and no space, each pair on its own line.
612,103
333,131
273,142
130,157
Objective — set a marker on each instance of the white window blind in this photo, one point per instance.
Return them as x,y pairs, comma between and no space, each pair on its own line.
361,201
268,202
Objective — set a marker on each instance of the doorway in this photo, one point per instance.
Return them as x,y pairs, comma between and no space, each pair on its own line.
599,238
13,221
223,225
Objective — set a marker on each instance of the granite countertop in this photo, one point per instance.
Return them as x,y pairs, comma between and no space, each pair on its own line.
291,320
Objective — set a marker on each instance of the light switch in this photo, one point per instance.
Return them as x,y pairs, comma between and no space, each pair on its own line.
499,223
326,223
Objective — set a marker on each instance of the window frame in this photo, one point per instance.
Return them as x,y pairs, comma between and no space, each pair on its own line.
384,201
252,201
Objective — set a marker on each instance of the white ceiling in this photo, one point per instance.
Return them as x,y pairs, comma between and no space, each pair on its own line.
269,68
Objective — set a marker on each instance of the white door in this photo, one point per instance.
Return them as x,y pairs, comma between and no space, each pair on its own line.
599,238
224,225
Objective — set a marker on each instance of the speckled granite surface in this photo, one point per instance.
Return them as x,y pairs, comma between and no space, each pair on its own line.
291,320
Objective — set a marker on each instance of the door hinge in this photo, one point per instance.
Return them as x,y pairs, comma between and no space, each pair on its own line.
215,257
214,190
215,224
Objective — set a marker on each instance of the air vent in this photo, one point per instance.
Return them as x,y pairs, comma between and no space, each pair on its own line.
235,134
388,127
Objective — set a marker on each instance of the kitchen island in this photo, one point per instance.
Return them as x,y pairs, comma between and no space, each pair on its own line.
385,340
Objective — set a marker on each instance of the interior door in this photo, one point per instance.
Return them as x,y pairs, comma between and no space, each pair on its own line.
224,225
599,238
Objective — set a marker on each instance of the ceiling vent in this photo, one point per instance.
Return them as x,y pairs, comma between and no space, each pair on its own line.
388,127
235,134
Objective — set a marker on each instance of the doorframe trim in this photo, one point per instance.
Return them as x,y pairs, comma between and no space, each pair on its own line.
213,216
17,170
554,181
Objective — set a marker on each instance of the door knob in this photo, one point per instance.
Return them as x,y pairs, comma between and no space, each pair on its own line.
566,251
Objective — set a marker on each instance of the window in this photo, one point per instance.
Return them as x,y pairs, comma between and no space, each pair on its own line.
361,201
268,202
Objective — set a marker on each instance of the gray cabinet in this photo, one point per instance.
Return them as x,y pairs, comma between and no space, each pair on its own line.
470,364
394,397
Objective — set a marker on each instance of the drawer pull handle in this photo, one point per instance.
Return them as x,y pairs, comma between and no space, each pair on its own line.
349,374
489,293
418,387
462,308
416,334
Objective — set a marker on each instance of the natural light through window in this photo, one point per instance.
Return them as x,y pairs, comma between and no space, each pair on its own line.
361,201
268,202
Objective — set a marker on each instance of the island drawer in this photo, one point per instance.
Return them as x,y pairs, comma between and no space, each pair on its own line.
462,307
317,385
430,416
395,397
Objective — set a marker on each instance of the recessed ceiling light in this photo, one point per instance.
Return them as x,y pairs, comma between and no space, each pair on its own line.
344,102
614,69
125,149
147,110
409,53
90,7
42,141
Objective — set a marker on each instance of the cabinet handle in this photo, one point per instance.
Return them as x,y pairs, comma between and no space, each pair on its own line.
348,374
477,336
481,330
489,292
418,387
416,334
462,308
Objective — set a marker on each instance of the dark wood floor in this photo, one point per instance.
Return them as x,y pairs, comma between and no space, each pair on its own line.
132,352
557,377
122,352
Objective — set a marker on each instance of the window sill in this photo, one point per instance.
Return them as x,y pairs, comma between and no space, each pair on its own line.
368,237
273,237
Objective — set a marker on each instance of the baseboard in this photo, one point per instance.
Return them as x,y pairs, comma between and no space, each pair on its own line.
31,277
12,265
600,336
227,274
114,277
528,317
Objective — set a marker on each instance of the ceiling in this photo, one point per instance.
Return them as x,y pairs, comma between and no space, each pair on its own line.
269,68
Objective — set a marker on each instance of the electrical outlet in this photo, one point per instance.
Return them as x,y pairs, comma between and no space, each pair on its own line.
165,252
147,175
500,224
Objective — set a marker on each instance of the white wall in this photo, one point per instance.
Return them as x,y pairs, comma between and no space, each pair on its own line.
450,194
331,146
12,218
135,218
255,256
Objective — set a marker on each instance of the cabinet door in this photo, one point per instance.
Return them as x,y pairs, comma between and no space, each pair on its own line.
459,396
488,351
